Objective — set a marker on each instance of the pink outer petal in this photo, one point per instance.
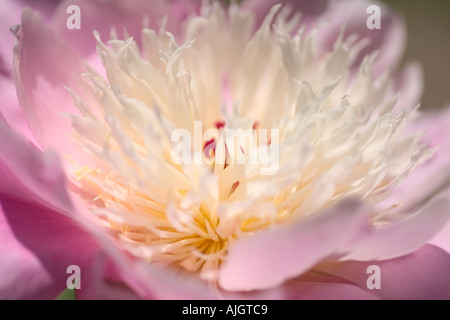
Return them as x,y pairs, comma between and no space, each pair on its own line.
390,39
102,15
424,274
434,175
21,271
43,64
48,242
404,236
268,259
10,109
31,183
9,106
27,173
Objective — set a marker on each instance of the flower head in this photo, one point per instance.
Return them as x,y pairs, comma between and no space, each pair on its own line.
339,135
240,152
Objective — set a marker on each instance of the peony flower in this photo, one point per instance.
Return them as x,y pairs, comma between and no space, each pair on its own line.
220,153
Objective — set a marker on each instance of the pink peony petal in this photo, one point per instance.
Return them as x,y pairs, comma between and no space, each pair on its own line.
50,242
11,110
43,64
21,272
433,176
404,236
29,174
9,107
423,274
295,249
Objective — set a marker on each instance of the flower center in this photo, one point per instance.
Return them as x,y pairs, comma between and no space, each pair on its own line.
338,135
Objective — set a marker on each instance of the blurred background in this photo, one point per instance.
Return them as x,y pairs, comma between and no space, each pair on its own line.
428,24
